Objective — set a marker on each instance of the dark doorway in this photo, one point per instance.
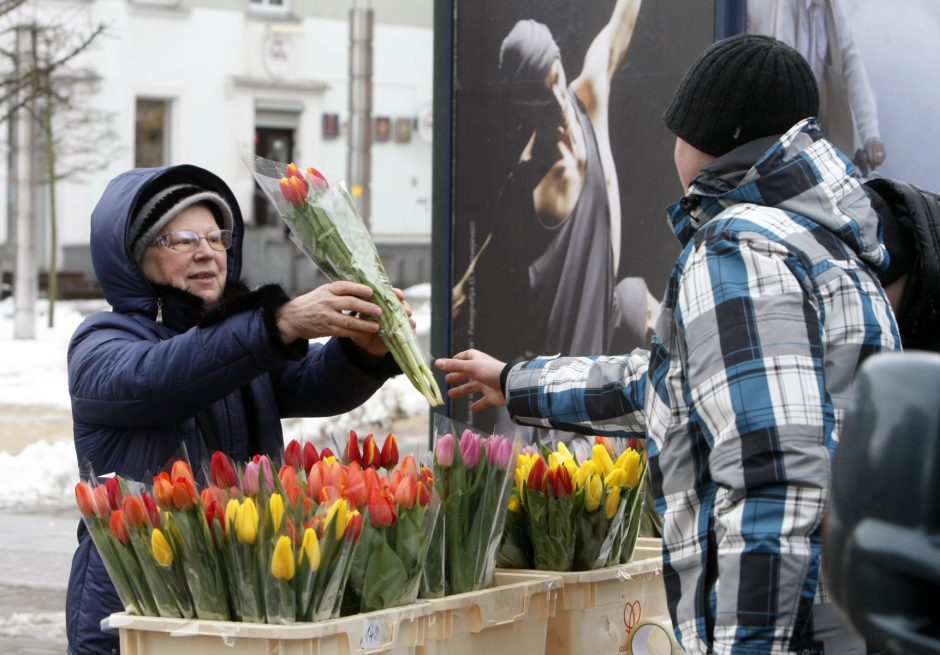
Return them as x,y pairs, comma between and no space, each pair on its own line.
276,144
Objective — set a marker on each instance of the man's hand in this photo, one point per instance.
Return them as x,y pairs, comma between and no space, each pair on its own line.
473,371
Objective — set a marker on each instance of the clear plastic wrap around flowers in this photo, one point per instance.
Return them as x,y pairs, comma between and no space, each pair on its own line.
325,225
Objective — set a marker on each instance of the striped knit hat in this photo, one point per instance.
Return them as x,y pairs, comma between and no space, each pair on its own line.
740,89
165,205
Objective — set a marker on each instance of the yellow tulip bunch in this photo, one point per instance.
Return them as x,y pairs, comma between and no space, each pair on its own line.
554,519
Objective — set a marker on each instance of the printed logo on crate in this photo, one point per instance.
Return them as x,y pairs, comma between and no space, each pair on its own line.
631,616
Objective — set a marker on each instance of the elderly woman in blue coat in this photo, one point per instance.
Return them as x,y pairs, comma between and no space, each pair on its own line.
189,356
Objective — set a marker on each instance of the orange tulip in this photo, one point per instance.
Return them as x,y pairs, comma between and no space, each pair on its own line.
424,494
353,526
355,489
406,491
409,468
184,493
293,171
85,499
316,179
134,512
381,508
181,470
163,491
291,485
119,527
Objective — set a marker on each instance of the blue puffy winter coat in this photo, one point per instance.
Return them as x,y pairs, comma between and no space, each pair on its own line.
138,381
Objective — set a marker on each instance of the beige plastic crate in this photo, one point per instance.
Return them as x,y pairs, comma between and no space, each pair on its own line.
395,631
511,617
614,610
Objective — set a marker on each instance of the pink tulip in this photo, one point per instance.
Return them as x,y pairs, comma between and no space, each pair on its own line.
250,482
445,450
470,444
499,451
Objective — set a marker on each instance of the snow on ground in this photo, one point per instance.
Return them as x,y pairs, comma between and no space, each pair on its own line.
33,374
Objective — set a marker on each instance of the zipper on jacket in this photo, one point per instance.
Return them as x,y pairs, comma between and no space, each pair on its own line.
160,311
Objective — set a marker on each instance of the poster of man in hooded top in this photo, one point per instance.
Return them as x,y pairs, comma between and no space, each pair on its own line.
561,172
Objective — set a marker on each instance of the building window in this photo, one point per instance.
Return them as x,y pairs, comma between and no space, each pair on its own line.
276,144
152,133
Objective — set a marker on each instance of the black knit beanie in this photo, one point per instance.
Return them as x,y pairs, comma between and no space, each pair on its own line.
163,205
739,89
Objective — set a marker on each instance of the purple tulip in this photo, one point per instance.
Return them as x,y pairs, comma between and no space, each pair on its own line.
445,450
499,451
470,444
250,479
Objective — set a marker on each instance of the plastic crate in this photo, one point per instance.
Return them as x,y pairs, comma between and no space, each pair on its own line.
395,631
614,610
510,617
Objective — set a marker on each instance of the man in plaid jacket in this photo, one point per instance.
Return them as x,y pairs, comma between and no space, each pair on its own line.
773,304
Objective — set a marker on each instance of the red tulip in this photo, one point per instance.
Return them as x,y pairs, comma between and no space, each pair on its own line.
293,454
119,527
134,512
426,475
315,481
390,451
316,179
326,452
353,526
424,494
310,456
293,171
223,473
373,481
214,513
213,492
163,491
351,454
406,492
536,479
184,493
560,479
328,495
381,508
152,512
85,499
113,486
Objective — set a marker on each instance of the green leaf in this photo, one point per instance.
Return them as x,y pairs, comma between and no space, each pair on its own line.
385,579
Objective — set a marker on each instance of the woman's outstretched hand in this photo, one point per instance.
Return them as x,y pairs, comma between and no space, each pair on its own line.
473,371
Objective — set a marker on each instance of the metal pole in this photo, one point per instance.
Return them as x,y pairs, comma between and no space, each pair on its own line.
25,284
359,171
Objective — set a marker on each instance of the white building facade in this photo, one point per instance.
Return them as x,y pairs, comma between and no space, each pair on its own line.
212,82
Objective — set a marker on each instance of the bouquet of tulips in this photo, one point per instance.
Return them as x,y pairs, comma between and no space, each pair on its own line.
274,553
325,225
472,476
402,508
566,515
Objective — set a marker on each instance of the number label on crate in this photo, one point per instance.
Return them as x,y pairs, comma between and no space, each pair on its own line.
371,634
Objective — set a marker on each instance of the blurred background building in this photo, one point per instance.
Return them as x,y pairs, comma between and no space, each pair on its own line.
210,82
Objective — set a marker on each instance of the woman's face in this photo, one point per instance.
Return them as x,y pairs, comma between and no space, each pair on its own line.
200,272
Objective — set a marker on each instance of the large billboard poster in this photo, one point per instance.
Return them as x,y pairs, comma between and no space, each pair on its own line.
561,170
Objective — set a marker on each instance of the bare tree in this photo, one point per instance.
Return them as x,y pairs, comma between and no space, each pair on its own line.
46,89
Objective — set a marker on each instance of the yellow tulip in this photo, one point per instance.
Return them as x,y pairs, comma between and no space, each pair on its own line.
563,453
601,459
276,506
613,502
339,510
246,522
584,472
571,466
524,463
632,464
330,459
615,478
311,548
593,490
554,460
231,511
161,548
515,505
282,561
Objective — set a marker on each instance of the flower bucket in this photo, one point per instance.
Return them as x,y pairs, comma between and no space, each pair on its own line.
509,617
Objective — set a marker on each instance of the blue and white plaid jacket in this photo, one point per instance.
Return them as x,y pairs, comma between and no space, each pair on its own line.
770,309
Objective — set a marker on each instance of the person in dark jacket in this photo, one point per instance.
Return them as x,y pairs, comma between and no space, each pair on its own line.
910,219
188,356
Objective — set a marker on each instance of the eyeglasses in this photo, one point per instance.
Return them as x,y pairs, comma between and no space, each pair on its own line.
187,240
